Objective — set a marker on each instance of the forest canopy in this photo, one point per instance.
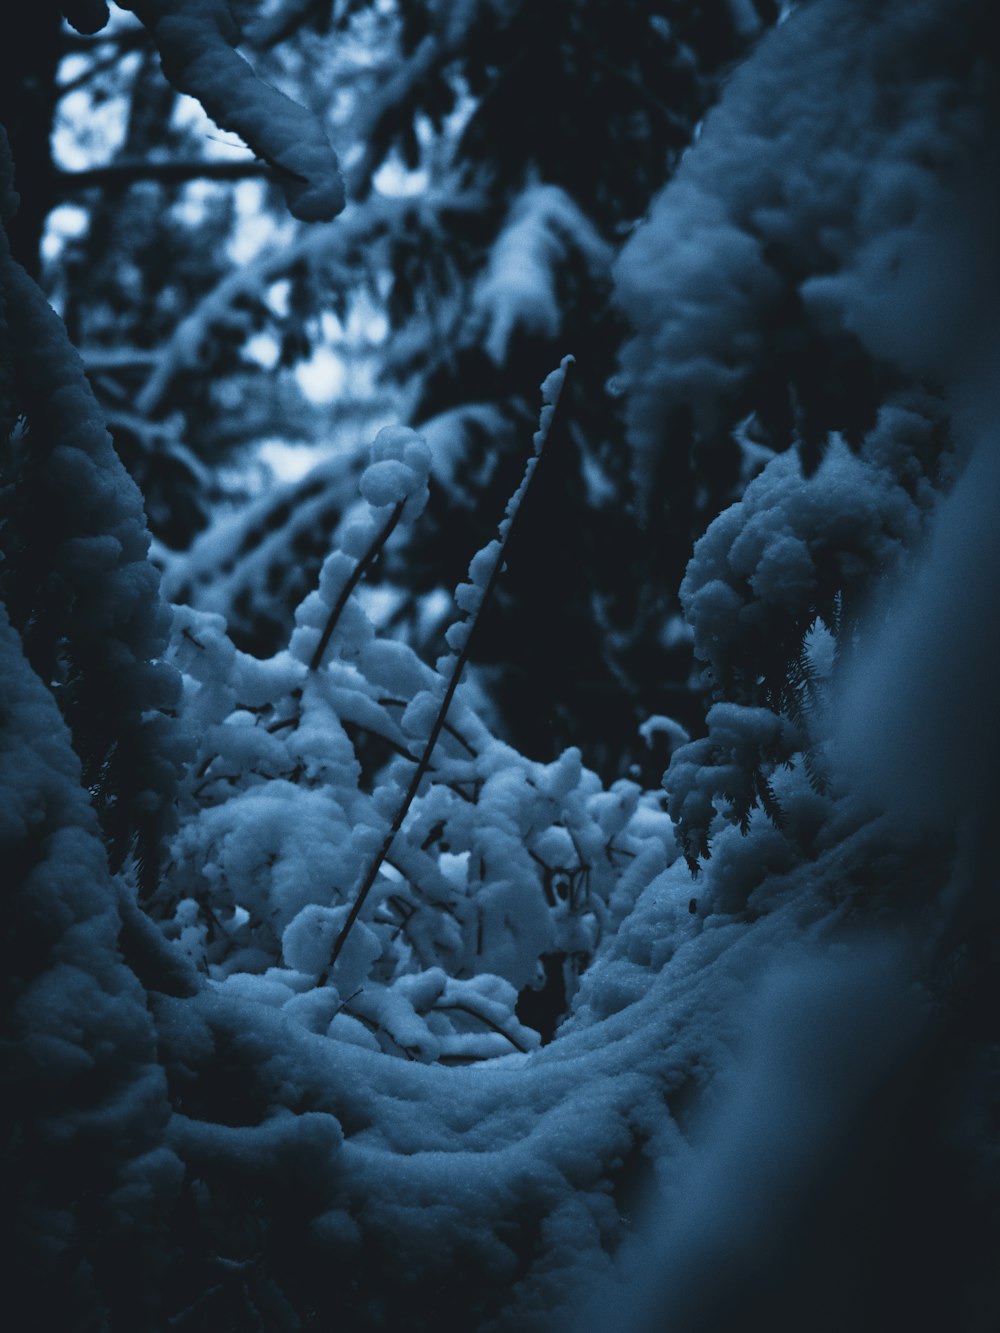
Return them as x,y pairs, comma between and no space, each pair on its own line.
499,726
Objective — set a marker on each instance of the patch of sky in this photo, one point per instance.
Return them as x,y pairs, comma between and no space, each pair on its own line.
256,227
323,376
89,130
64,223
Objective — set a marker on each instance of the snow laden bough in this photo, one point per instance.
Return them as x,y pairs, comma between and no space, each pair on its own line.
339,918
74,575
403,910
196,41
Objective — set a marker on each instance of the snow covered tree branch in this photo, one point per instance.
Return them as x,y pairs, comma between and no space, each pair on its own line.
77,581
195,39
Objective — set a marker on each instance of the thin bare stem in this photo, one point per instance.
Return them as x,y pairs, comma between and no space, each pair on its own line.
449,728
474,1013
358,573
449,693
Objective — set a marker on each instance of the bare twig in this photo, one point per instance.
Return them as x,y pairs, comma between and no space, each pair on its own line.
456,675
474,1013
374,1026
358,573
449,727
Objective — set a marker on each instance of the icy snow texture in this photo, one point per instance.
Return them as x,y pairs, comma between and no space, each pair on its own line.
846,169
862,173
195,39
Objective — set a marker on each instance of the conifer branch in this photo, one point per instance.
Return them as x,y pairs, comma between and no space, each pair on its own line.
461,659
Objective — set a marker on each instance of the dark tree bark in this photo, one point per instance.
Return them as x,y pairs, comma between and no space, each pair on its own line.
28,98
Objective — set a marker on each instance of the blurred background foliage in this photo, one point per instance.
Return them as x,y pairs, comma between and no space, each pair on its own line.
496,157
